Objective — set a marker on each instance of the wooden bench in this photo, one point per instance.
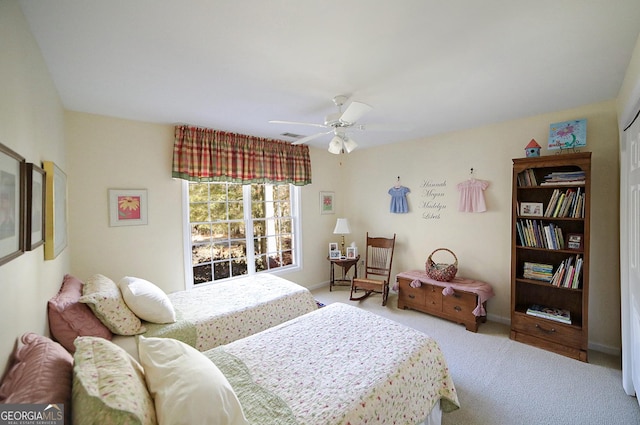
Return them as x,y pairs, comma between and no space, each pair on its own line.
464,303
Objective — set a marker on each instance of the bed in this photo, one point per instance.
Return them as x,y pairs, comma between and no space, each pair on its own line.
204,318
336,365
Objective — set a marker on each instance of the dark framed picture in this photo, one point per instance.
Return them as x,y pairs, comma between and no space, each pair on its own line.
35,197
575,241
12,178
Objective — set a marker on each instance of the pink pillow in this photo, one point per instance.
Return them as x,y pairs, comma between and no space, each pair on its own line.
40,371
69,318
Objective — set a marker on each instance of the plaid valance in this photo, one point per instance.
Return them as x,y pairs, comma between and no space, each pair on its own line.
201,154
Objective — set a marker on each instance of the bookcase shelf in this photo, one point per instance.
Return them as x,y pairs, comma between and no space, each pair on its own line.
554,250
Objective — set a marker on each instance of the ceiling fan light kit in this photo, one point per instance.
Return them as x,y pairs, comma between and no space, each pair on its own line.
337,123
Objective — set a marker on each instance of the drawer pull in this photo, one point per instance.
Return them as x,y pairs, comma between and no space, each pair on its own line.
456,295
457,308
549,331
412,296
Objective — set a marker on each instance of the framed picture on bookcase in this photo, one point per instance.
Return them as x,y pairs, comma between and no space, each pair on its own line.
575,241
534,209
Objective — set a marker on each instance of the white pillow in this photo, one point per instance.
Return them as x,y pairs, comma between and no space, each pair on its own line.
146,300
186,386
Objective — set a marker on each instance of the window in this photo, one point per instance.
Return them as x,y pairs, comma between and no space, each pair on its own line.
236,229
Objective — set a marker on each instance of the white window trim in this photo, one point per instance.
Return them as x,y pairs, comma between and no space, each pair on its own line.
296,211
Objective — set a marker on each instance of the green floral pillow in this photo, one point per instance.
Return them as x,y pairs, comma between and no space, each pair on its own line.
106,301
108,386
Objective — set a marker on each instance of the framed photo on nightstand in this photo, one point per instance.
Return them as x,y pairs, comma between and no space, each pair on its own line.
334,252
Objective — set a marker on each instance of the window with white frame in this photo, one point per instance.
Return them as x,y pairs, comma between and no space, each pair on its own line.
236,229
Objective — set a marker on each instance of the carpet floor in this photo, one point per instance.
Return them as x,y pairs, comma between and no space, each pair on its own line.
504,382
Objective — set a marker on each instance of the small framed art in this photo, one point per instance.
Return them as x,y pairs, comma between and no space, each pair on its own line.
531,208
35,196
12,177
326,203
55,236
127,207
334,252
568,134
575,241
352,252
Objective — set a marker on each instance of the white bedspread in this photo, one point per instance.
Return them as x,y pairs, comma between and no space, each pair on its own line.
223,312
343,365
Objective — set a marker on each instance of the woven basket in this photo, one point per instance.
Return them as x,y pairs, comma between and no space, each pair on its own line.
441,271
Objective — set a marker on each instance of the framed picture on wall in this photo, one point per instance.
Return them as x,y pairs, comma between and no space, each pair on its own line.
12,177
55,228
127,207
35,197
326,203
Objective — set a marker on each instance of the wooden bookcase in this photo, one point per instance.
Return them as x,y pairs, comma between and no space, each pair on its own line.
547,251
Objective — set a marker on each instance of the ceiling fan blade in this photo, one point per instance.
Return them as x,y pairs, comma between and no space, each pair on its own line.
298,123
354,112
382,127
309,138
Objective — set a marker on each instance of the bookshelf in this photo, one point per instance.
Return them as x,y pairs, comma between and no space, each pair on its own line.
550,252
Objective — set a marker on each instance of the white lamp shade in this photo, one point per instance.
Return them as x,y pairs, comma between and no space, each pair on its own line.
335,146
342,227
349,145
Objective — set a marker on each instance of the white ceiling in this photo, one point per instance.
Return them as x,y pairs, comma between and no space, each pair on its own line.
428,66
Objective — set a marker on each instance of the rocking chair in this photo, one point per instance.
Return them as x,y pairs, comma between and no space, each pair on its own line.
377,269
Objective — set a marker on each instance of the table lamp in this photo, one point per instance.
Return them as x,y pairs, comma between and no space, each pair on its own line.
342,228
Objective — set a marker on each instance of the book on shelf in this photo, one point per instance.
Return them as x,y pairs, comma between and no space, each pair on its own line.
551,313
565,203
567,275
527,178
535,234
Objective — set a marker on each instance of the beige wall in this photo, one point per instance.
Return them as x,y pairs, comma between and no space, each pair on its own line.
31,123
108,153
481,241
102,153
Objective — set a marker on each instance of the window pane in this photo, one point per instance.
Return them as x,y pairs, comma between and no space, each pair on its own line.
235,192
201,254
236,211
220,230
200,233
221,251
259,228
238,230
202,274
221,270
199,212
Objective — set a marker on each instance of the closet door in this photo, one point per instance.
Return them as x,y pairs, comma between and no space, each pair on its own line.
630,257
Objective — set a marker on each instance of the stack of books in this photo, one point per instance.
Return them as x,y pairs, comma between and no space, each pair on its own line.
557,314
538,271
564,177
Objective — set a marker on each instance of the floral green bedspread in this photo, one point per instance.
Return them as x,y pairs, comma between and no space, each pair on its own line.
343,365
223,312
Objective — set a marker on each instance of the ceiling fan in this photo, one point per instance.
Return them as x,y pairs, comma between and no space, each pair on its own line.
338,123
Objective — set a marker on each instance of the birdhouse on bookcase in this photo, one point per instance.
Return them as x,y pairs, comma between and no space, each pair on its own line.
532,149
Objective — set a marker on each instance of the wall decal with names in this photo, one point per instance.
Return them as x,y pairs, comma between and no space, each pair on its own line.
433,199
